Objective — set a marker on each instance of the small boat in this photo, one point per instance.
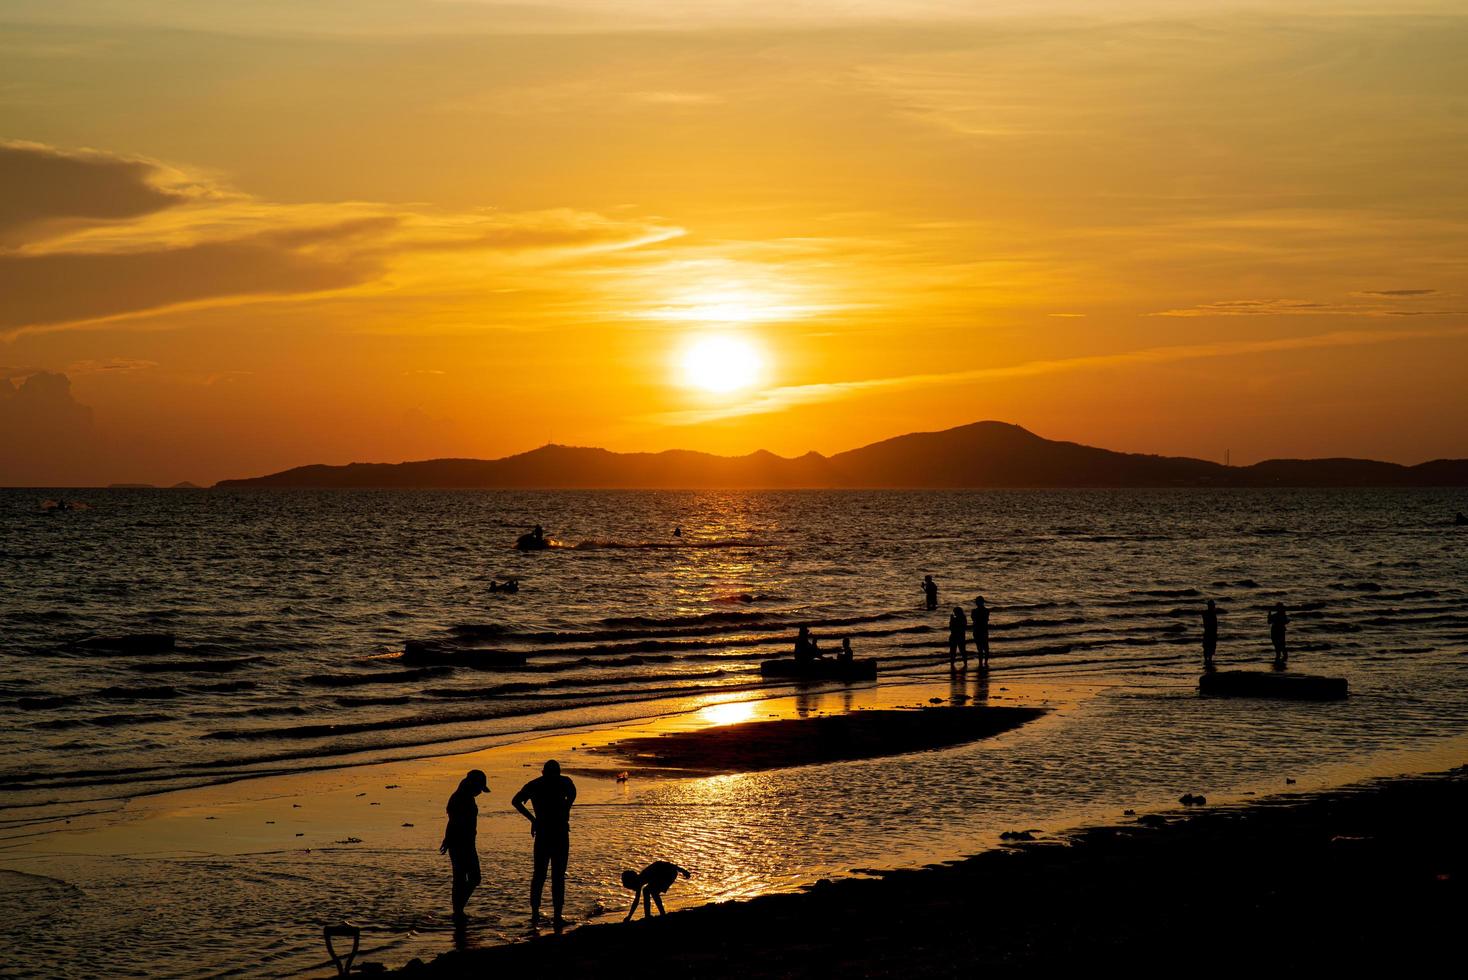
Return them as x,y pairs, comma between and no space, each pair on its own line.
821,670
532,542
1271,684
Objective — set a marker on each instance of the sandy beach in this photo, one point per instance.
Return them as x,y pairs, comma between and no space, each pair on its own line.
1368,876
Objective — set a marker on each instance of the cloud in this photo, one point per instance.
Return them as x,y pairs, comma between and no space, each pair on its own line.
1284,307
113,365
780,399
1398,293
46,436
41,184
74,259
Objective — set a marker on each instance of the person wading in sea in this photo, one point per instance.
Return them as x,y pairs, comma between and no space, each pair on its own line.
980,619
458,838
551,795
957,632
930,591
1210,634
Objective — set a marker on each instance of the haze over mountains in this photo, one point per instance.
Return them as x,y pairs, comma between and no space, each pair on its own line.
979,455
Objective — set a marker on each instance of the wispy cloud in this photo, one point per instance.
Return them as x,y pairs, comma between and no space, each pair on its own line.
141,238
1289,307
790,396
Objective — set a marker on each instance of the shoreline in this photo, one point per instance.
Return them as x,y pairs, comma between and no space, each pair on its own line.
382,821
1365,874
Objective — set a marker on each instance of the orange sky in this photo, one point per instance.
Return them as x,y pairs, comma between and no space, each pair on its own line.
240,237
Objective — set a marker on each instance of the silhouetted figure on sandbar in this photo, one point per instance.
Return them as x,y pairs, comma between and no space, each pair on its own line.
458,838
1210,634
677,532
845,656
649,885
551,795
1278,620
957,636
980,619
930,591
806,650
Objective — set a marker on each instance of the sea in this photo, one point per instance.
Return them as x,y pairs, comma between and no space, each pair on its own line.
291,610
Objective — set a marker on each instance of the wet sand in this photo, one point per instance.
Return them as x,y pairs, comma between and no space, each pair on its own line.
759,745
1370,876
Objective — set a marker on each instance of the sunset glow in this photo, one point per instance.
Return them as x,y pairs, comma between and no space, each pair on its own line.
1134,229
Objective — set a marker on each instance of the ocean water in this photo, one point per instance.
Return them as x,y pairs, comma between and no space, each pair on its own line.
291,610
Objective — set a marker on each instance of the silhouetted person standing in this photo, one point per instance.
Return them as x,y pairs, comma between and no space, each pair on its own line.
957,632
458,838
1278,620
845,656
1210,634
551,795
980,618
930,591
649,885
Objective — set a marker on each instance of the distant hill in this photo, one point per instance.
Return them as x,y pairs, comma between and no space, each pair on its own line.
983,454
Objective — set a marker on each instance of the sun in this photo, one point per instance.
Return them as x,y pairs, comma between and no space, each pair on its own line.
720,363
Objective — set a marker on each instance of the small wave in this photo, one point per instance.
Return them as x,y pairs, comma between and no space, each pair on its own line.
385,677
602,545
715,618
161,693
194,666
1168,593
43,702
104,721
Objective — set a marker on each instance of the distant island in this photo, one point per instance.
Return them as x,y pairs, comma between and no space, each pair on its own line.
980,455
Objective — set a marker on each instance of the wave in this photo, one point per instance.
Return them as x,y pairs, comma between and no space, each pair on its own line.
103,721
194,666
596,544
385,677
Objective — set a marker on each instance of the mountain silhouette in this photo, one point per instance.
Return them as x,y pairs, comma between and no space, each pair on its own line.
980,455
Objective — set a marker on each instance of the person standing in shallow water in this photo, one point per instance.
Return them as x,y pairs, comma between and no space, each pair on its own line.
551,795
957,631
1278,620
1210,634
930,592
458,838
980,619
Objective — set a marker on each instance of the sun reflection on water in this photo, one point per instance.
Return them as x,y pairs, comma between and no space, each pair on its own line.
728,713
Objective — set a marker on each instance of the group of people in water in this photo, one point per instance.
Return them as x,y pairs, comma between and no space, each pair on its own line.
546,802
959,625
978,620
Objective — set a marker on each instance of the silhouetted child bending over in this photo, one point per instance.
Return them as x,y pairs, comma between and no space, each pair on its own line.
649,885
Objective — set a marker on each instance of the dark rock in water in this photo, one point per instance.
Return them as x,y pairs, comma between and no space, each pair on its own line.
1275,684
1188,799
1017,835
1152,820
129,643
1129,813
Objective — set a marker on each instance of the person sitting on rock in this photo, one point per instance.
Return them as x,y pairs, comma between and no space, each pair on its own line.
649,885
805,647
